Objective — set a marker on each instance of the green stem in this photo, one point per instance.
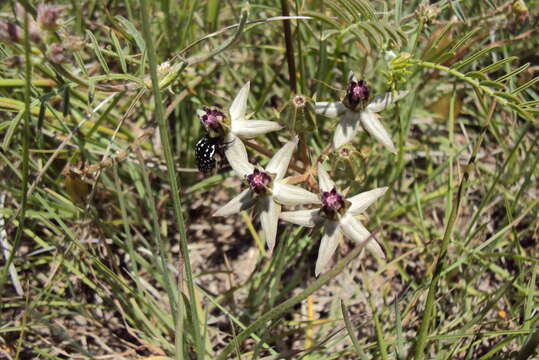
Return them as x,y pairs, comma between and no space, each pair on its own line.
22,82
174,188
418,34
289,48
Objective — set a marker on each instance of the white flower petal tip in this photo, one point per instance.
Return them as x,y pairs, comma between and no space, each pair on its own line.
200,113
236,154
382,101
269,218
361,202
248,129
330,109
279,162
291,195
372,124
324,181
346,129
355,231
374,247
330,240
307,218
241,202
239,105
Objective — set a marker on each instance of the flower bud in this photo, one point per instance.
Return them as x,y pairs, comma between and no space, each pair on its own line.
520,9
427,12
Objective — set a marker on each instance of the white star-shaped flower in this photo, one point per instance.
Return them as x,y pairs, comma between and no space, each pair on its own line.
338,218
267,191
235,127
356,112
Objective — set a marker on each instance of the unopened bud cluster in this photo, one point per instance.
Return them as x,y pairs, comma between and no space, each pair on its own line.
41,31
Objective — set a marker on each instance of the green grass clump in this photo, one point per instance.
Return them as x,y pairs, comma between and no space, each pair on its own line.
107,242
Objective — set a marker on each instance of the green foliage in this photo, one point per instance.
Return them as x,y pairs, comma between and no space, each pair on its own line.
107,242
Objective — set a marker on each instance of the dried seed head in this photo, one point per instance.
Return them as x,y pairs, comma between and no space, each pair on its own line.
48,15
427,12
58,53
10,32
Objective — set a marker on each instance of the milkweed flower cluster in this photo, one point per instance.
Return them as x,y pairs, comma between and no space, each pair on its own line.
267,189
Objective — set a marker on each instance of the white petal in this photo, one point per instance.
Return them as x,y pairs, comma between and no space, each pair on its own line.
355,231
330,109
380,102
239,105
248,129
241,202
352,77
291,195
279,162
236,154
330,240
308,218
370,122
362,201
324,181
346,129
200,113
269,216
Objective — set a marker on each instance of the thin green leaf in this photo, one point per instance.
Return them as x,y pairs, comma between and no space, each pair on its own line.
528,84
495,66
119,51
474,57
513,73
98,52
359,351
132,30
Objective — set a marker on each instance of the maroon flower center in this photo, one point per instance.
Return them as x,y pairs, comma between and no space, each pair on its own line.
258,181
212,119
357,94
332,201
